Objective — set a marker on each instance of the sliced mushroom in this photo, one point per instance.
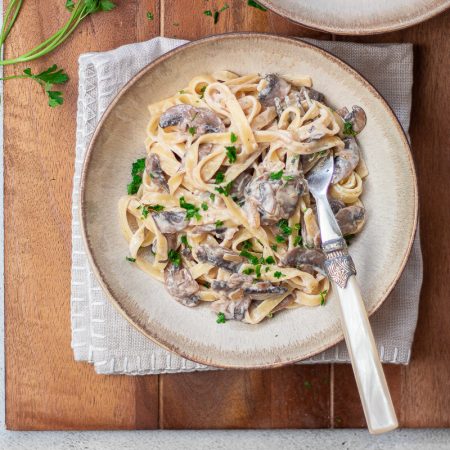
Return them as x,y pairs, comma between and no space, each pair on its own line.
345,160
211,228
153,168
275,199
357,117
172,221
284,303
273,87
335,204
236,281
350,219
263,290
301,258
312,94
239,184
185,117
204,150
220,257
181,285
232,310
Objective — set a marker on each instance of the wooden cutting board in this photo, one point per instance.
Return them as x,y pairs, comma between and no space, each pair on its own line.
47,390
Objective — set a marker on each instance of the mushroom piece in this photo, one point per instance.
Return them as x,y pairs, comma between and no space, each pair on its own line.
232,310
263,290
357,117
350,219
345,160
312,94
153,168
170,221
204,150
238,190
185,117
220,257
275,199
181,285
273,87
300,258
211,228
236,281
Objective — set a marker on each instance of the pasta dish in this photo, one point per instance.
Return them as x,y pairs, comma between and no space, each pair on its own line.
218,207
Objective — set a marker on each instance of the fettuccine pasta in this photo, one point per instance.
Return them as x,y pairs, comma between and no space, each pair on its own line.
219,208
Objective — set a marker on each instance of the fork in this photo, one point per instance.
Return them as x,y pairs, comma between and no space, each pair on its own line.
373,390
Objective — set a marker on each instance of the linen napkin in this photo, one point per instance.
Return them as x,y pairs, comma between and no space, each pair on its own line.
101,336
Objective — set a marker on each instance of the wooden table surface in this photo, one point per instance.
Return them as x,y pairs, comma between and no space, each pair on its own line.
47,390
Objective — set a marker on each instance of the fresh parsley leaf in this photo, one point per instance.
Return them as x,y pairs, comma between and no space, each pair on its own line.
233,138
220,177
137,169
191,210
288,177
248,271
298,241
202,91
258,271
150,15
219,223
156,208
256,5
130,259
274,247
192,130
323,294
297,226
106,5
231,153
247,245
348,129
224,7
276,175
252,258
185,241
205,206
284,227
54,98
267,269
145,212
225,190
70,5
221,318
270,260
208,12
216,17
174,257
278,275
212,196
280,239
207,284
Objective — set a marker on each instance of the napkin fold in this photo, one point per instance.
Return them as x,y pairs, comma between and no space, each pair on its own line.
101,336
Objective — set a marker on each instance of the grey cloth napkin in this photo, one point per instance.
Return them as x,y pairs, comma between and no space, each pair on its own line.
100,335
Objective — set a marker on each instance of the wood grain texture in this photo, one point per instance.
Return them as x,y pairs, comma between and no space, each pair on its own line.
46,389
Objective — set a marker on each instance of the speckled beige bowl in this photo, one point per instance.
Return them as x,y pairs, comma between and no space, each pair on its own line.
357,17
380,252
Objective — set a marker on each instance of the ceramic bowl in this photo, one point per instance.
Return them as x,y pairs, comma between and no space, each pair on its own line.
380,251
356,18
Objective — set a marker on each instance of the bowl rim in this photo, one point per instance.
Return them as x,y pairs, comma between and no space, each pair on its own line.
83,208
442,5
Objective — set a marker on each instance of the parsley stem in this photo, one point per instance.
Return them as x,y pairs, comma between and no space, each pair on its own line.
8,21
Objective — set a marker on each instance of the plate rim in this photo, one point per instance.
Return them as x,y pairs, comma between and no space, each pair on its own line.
82,203
352,31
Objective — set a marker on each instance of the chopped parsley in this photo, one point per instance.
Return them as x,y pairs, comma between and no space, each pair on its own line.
147,208
174,257
280,239
221,318
216,13
185,241
207,284
182,91
233,138
192,131
278,274
298,241
150,15
297,226
256,5
208,12
307,385
212,196
220,177
258,271
267,269
191,210
348,129
247,245
137,169
252,258
284,227
130,259
323,294
145,212
288,177
225,190
274,247
276,175
270,315
231,153
205,206
219,223
202,91
248,271
270,260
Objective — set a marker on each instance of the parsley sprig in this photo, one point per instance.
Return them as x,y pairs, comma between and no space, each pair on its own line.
191,210
174,257
348,129
256,5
